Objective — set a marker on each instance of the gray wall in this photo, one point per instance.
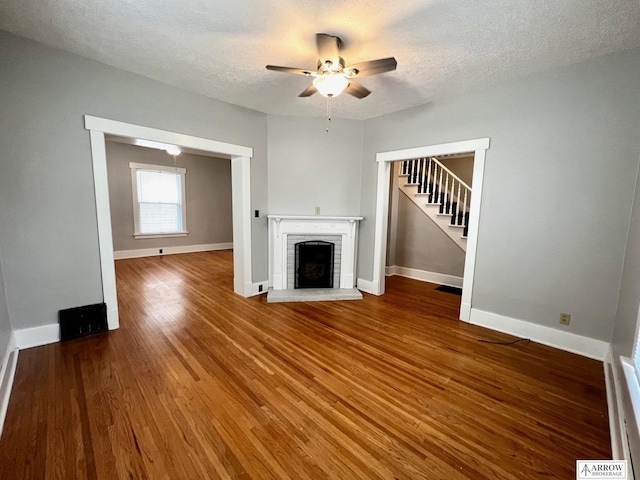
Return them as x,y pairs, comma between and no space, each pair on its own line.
462,167
565,143
208,197
47,206
310,168
5,324
421,244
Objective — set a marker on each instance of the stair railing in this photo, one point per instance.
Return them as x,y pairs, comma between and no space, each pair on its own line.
442,186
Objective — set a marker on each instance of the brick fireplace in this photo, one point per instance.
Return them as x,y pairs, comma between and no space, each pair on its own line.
285,231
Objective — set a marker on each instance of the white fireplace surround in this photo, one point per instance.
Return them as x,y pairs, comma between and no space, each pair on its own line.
311,227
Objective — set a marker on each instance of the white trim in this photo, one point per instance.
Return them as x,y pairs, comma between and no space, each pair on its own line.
424,276
381,227
365,286
152,252
130,130
472,233
149,167
37,336
105,237
617,429
240,196
7,375
570,342
11,346
384,159
315,218
241,213
435,150
147,236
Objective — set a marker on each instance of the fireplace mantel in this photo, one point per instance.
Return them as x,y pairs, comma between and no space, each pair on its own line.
281,226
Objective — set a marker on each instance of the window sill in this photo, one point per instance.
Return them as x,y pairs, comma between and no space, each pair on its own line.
142,236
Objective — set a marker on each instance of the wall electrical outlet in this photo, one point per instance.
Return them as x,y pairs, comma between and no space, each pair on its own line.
317,210
565,319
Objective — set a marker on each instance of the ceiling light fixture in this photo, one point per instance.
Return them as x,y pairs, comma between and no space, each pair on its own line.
174,152
330,85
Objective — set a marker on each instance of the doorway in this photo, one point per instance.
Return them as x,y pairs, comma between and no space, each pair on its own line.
240,189
384,160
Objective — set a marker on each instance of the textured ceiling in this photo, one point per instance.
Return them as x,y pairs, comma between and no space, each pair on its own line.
219,48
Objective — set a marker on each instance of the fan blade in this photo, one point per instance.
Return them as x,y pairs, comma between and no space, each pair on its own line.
297,71
374,67
328,47
309,91
357,90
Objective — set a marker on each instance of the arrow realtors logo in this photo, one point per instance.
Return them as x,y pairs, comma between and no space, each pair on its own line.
601,469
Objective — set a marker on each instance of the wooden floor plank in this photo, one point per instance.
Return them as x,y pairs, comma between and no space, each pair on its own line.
201,383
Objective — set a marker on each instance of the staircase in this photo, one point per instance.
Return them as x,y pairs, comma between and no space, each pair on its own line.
440,194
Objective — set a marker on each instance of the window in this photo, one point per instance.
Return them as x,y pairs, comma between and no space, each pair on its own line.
636,349
159,207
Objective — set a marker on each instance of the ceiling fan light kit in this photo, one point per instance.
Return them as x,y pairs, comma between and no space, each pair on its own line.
330,85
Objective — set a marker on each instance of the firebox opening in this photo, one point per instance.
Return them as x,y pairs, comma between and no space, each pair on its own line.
314,264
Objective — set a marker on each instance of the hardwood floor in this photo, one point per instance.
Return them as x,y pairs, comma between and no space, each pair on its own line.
201,383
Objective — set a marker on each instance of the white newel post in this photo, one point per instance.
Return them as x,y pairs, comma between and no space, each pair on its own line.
281,226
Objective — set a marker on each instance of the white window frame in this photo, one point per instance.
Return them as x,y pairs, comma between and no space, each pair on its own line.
135,167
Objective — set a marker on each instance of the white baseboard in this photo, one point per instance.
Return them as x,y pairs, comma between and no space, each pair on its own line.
366,286
151,252
570,342
37,336
424,276
7,374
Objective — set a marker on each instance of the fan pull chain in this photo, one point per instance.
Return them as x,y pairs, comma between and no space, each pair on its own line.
329,97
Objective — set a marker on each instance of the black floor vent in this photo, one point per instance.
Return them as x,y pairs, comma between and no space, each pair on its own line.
448,289
82,321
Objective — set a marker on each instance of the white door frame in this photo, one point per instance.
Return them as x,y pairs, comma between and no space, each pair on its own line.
384,159
241,199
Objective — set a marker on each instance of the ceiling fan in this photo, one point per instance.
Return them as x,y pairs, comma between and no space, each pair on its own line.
332,77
